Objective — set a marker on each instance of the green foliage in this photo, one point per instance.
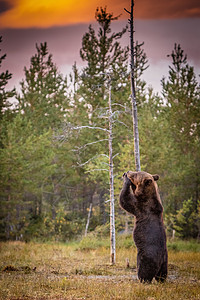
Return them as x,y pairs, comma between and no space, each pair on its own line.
125,241
64,227
43,96
51,172
26,161
92,242
4,95
100,163
96,239
35,168
183,245
181,93
186,220
6,109
102,52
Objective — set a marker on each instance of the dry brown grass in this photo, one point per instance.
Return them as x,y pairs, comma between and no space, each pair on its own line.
57,271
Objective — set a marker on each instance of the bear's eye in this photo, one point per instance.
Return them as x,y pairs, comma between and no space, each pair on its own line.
147,182
133,186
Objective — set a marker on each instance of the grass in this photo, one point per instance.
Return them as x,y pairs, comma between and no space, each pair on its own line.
82,271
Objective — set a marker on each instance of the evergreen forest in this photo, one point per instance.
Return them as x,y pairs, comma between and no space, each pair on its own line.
54,141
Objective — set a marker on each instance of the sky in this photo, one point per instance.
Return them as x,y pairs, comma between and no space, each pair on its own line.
62,24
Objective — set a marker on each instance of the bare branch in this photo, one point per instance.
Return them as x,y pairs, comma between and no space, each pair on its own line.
118,104
68,128
91,127
88,144
94,170
115,155
107,201
83,164
120,122
127,11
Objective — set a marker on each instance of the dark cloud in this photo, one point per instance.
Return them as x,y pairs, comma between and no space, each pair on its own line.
171,9
4,6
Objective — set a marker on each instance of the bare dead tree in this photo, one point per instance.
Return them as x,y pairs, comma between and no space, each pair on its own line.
133,91
109,133
112,199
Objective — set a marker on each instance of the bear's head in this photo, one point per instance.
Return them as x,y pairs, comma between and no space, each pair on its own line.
143,184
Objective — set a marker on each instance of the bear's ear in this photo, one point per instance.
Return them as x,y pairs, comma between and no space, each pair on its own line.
147,182
156,177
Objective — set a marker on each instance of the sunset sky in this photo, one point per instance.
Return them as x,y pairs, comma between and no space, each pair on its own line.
62,23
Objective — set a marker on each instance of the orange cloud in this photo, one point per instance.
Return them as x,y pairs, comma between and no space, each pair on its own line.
47,13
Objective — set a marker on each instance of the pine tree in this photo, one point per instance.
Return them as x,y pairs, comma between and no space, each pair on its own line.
4,95
181,91
43,96
26,163
102,52
182,94
6,113
43,106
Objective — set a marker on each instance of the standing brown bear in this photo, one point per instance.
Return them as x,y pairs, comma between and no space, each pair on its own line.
139,196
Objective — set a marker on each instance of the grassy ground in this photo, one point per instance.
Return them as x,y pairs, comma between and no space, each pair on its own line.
82,271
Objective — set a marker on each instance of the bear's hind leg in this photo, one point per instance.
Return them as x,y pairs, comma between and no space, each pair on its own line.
146,269
162,274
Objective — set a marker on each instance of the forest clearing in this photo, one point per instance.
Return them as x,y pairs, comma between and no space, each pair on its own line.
66,144
81,270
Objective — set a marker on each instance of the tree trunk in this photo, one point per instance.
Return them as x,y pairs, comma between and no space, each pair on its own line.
88,219
112,200
133,95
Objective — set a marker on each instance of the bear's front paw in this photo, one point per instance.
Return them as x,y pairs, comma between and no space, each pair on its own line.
126,179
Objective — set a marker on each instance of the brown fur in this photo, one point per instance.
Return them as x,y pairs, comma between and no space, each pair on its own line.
139,196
